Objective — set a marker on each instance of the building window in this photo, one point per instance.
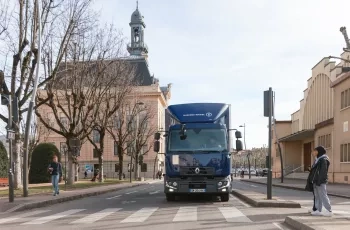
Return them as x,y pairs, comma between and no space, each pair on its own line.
116,167
96,136
115,148
345,99
95,154
64,123
325,140
345,152
129,147
62,146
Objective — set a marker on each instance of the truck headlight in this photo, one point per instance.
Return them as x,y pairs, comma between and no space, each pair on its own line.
175,184
219,183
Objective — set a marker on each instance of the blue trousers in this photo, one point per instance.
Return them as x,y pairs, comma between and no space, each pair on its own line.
55,179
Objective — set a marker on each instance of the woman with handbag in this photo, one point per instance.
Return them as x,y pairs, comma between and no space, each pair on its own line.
309,184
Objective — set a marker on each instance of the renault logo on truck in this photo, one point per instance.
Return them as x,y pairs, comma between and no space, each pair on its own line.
208,114
197,170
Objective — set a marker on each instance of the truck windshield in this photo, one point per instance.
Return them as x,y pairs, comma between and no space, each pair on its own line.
199,140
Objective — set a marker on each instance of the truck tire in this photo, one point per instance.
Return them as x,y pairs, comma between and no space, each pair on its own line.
170,197
225,197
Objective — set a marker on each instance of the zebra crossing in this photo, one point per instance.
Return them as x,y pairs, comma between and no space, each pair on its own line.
84,217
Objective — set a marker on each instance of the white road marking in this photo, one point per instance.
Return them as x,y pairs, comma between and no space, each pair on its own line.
254,186
232,214
130,192
186,214
140,216
113,197
128,202
347,202
151,193
46,219
32,213
96,216
277,226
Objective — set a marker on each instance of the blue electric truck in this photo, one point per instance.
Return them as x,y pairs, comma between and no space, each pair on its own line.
198,150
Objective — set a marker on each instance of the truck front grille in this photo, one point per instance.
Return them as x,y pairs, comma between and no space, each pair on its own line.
197,171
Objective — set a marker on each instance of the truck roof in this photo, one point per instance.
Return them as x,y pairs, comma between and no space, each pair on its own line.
198,112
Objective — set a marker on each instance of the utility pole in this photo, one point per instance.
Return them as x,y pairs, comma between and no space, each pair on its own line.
268,112
10,137
31,105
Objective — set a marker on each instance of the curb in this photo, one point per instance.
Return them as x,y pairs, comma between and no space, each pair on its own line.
295,188
298,225
44,203
265,204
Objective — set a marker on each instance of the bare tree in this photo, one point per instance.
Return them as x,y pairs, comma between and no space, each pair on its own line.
4,17
59,22
122,80
143,134
74,97
124,125
38,133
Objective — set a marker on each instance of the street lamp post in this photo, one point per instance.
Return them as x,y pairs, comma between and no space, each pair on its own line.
245,148
65,150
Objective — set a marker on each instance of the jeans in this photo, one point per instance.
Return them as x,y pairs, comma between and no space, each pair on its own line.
55,179
321,198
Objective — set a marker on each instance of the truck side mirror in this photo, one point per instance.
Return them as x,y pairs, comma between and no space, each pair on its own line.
156,146
182,133
238,134
239,145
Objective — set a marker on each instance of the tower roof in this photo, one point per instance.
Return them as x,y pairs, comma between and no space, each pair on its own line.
136,16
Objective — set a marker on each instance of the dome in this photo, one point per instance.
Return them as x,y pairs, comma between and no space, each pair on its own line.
136,17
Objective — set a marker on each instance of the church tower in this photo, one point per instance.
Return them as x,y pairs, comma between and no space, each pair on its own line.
137,47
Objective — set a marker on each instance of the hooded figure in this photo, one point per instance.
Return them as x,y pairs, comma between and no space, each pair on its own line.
319,180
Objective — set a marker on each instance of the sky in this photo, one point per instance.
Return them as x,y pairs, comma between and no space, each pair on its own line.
230,51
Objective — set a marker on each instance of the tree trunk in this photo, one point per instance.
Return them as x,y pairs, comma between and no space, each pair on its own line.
100,162
17,162
120,156
70,176
136,173
154,167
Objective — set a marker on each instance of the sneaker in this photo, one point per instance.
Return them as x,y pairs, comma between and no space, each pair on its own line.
316,213
311,210
327,213
54,194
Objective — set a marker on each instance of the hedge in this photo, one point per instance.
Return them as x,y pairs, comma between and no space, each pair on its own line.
4,161
41,158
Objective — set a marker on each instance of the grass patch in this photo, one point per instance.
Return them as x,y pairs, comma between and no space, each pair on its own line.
82,184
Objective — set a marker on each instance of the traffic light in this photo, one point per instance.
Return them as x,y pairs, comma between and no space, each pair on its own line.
157,136
156,146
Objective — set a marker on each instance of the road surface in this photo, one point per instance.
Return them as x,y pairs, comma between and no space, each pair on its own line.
145,207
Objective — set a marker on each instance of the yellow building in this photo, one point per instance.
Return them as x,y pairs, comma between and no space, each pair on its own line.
321,120
148,92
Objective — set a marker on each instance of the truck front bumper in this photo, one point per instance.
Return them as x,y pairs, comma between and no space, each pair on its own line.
214,187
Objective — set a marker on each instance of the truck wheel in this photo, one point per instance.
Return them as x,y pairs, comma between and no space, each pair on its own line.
170,197
225,197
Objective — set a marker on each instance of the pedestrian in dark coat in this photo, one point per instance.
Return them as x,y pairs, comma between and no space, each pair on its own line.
319,180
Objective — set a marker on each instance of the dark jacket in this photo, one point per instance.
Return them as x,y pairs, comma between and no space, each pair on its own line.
321,171
57,168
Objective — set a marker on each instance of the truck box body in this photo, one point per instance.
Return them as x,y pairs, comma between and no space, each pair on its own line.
200,163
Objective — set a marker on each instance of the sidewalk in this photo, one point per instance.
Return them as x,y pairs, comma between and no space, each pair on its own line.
338,190
41,200
318,223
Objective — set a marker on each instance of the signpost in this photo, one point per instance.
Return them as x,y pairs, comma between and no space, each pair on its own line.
268,112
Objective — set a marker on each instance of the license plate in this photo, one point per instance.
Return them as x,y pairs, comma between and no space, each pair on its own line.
197,190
